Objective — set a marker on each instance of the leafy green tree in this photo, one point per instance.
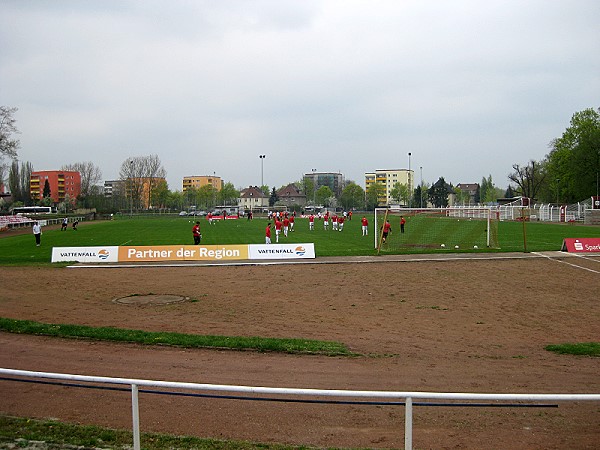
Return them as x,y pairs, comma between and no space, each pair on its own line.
160,194
323,194
417,200
307,187
400,193
228,194
462,197
273,198
176,200
189,197
353,196
574,161
487,191
206,196
438,193
477,198
46,193
374,193
331,202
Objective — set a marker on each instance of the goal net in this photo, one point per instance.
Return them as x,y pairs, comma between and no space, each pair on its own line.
449,228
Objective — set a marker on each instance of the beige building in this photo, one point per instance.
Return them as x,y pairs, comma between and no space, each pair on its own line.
388,179
197,182
253,198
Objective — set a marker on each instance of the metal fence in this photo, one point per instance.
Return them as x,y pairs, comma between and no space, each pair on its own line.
377,397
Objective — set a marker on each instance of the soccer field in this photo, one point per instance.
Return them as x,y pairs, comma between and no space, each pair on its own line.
174,230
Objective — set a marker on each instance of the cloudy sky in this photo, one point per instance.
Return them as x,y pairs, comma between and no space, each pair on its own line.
468,87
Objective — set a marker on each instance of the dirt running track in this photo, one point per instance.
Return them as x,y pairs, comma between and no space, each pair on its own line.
443,326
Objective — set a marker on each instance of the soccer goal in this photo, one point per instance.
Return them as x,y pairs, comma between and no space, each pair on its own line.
449,228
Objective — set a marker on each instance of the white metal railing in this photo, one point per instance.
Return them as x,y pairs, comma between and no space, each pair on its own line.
409,397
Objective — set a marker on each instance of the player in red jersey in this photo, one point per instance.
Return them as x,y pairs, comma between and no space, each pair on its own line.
278,226
385,230
286,225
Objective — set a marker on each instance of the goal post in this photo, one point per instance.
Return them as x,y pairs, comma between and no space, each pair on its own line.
451,228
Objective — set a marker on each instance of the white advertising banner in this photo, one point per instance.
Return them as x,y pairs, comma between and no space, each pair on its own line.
182,253
85,254
281,251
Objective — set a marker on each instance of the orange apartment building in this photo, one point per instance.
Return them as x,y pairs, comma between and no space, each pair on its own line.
197,182
61,182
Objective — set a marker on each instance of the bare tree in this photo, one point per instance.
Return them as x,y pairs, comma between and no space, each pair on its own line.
2,173
528,179
90,175
155,173
8,146
18,181
141,174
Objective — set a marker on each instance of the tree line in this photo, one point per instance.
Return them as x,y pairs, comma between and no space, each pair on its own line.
568,173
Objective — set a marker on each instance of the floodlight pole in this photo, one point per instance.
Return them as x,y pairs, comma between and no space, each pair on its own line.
409,193
421,190
130,188
314,190
262,180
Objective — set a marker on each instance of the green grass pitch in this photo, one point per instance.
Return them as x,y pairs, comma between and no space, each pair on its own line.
175,230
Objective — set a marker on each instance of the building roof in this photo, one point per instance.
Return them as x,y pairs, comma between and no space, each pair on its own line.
252,191
291,190
467,186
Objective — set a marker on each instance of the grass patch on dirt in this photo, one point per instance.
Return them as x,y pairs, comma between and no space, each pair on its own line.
579,349
296,346
22,431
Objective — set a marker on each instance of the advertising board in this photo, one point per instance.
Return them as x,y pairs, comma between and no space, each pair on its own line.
156,253
581,245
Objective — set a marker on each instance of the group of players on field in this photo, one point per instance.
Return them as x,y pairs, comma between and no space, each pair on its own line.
284,223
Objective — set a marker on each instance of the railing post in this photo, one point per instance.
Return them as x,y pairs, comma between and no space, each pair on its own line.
408,424
135,410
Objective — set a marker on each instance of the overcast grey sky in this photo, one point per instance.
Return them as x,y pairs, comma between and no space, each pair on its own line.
469,87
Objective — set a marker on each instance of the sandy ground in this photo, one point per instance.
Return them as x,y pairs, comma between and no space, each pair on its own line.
442,326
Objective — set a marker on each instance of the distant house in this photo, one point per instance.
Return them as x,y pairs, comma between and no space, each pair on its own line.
252,198
472,189
290,196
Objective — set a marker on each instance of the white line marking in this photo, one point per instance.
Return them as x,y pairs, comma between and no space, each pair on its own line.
588,258
568,263
340,260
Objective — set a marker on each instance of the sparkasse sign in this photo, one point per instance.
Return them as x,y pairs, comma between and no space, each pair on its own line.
581,245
